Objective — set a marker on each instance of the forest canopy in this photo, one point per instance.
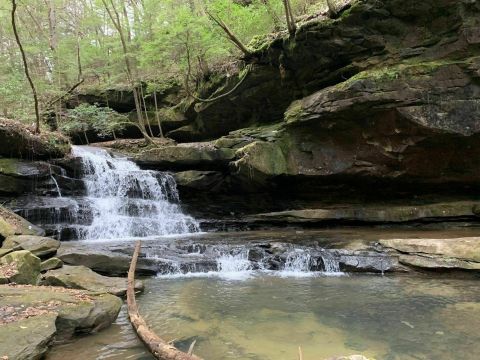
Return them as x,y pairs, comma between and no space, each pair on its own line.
119,43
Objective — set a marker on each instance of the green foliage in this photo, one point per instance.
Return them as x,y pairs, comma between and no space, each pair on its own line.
158,34
103,120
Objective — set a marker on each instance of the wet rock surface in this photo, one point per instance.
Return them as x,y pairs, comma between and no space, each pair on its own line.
355,250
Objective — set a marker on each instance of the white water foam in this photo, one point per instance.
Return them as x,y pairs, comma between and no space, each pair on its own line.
229,267
299,263
238,267
129,202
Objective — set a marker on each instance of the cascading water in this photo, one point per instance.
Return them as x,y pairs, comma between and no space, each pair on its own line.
240,262
126,201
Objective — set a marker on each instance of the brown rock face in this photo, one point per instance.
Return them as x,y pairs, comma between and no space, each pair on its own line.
382,100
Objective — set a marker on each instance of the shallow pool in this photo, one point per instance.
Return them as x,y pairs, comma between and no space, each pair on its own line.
268,317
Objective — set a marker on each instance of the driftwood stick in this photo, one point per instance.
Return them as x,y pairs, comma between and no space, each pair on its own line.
157,346
300,353
192,345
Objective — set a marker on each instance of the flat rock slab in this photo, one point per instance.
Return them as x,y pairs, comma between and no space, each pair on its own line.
104,261
37,245
453,253
31,317
81,277
467,248
378,213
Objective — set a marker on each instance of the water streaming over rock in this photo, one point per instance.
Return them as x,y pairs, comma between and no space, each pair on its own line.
240,262
126,201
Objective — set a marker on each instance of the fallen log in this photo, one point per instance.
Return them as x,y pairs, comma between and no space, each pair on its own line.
161,349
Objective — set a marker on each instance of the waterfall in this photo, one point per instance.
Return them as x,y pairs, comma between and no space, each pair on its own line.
57,188
300,263
126,201
234,266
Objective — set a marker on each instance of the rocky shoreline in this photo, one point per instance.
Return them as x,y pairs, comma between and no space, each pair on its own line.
365,122
44,302
51,286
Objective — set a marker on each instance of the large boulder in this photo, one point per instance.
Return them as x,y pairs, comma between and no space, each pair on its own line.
81,277
104,261
12,224
51,264
37,245
27,338
16,140
199,156
367,35
20,267
19,176
377,126
31,317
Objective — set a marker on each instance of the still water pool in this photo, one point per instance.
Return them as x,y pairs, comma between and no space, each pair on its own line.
266,317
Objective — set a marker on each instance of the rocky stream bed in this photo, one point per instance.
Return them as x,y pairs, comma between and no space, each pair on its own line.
351,147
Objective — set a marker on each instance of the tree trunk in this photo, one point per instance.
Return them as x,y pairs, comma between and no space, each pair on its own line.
230,35
145,108
79,61
115,18
156,114
289,16
25,66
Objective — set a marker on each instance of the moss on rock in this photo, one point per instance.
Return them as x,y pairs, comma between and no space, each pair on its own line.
21,267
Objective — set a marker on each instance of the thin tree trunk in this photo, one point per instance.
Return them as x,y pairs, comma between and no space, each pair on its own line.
115,17
127,22
145,108
79,61
52,24
289,16
68,92
231,36
25,65
156,114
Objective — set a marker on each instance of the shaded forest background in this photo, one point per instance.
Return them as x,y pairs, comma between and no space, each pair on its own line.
122,44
